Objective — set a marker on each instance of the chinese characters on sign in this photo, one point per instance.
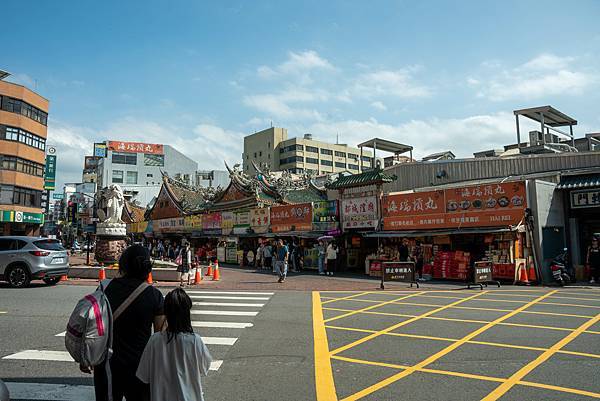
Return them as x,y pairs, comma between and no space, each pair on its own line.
476,206
359,212
260,219
211,222
136,147
291,217
398,271
50,173
325,215
588,198
483,272
227,221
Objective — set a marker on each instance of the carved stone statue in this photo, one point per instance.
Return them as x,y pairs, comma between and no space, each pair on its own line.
111,204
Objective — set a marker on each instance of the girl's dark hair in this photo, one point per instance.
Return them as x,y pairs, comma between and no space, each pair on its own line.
177,309
135,262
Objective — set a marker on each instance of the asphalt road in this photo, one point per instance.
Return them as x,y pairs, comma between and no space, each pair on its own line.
512,344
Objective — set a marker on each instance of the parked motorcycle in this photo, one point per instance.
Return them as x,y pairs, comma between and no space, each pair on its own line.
559,268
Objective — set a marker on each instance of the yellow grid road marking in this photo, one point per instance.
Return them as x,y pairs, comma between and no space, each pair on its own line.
451,319
329,300
488,343
502,300
445,351
370,307
324,384
525,370
573,305
576,298
387,330
472,376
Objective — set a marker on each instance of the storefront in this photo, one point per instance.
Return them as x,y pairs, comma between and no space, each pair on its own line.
581,195
14,222
456,227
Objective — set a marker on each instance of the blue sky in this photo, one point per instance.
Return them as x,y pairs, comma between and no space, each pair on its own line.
199,75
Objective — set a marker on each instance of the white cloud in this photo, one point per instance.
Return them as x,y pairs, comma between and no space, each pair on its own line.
379,106
543,76
284,104
299,66
398,83
461,135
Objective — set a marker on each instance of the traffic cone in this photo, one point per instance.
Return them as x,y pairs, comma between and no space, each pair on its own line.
522,275
149,279
209,272
216,273
101,274
531,272
198,276
64,278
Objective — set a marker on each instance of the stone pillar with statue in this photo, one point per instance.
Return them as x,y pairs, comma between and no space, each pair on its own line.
111,231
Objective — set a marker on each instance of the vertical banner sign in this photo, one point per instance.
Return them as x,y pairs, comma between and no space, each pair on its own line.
50,170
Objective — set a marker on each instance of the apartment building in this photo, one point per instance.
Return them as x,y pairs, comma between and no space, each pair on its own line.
272,148
137,167
23,133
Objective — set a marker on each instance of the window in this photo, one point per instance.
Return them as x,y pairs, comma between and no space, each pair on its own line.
312,160
291,148
340,165
366,159
149,175
260,154
255,155
152,160
292,159
20,107
312,149
12,195
131,177
340,154
117,176
18,135
21,165
353,166
124,158
49,245
326,152
353,156
326,163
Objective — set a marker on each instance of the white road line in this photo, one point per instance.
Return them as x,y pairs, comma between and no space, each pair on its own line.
222,325
226,304
230,292
207,340
63,356
228,297
219,340
223,312
47,391
60,334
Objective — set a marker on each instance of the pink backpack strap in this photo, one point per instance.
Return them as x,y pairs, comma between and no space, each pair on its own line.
97,314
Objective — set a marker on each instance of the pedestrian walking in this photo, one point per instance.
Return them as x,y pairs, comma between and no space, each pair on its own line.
260,256
321,257
175,359
132,330
268,256
185,261
417,256
331,263
593,260
281,263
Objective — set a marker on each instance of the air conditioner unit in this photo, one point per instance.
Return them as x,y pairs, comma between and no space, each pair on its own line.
536,138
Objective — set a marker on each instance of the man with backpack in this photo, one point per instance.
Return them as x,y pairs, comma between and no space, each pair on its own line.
136,307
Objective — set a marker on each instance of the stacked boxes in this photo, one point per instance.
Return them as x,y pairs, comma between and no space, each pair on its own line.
452,265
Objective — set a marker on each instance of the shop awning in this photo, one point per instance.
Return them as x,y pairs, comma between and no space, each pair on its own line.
432,233
579,181
299,234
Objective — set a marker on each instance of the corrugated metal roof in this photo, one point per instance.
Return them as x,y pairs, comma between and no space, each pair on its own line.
579,181
427,174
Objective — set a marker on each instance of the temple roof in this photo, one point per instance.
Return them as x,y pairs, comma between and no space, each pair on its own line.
133,213
370,177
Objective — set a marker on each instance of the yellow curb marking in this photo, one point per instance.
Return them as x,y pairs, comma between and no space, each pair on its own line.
324,384
329,300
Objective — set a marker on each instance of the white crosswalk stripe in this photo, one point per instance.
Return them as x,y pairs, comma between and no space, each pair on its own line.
223,312
207,340
228,293
227,304
222,325
229,297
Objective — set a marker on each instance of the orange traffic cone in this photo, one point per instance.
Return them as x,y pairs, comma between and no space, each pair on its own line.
531,272
522,275
198,277
209,272
216,273
101,274
64,278
149,279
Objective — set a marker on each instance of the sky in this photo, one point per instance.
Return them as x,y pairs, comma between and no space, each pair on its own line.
438,75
